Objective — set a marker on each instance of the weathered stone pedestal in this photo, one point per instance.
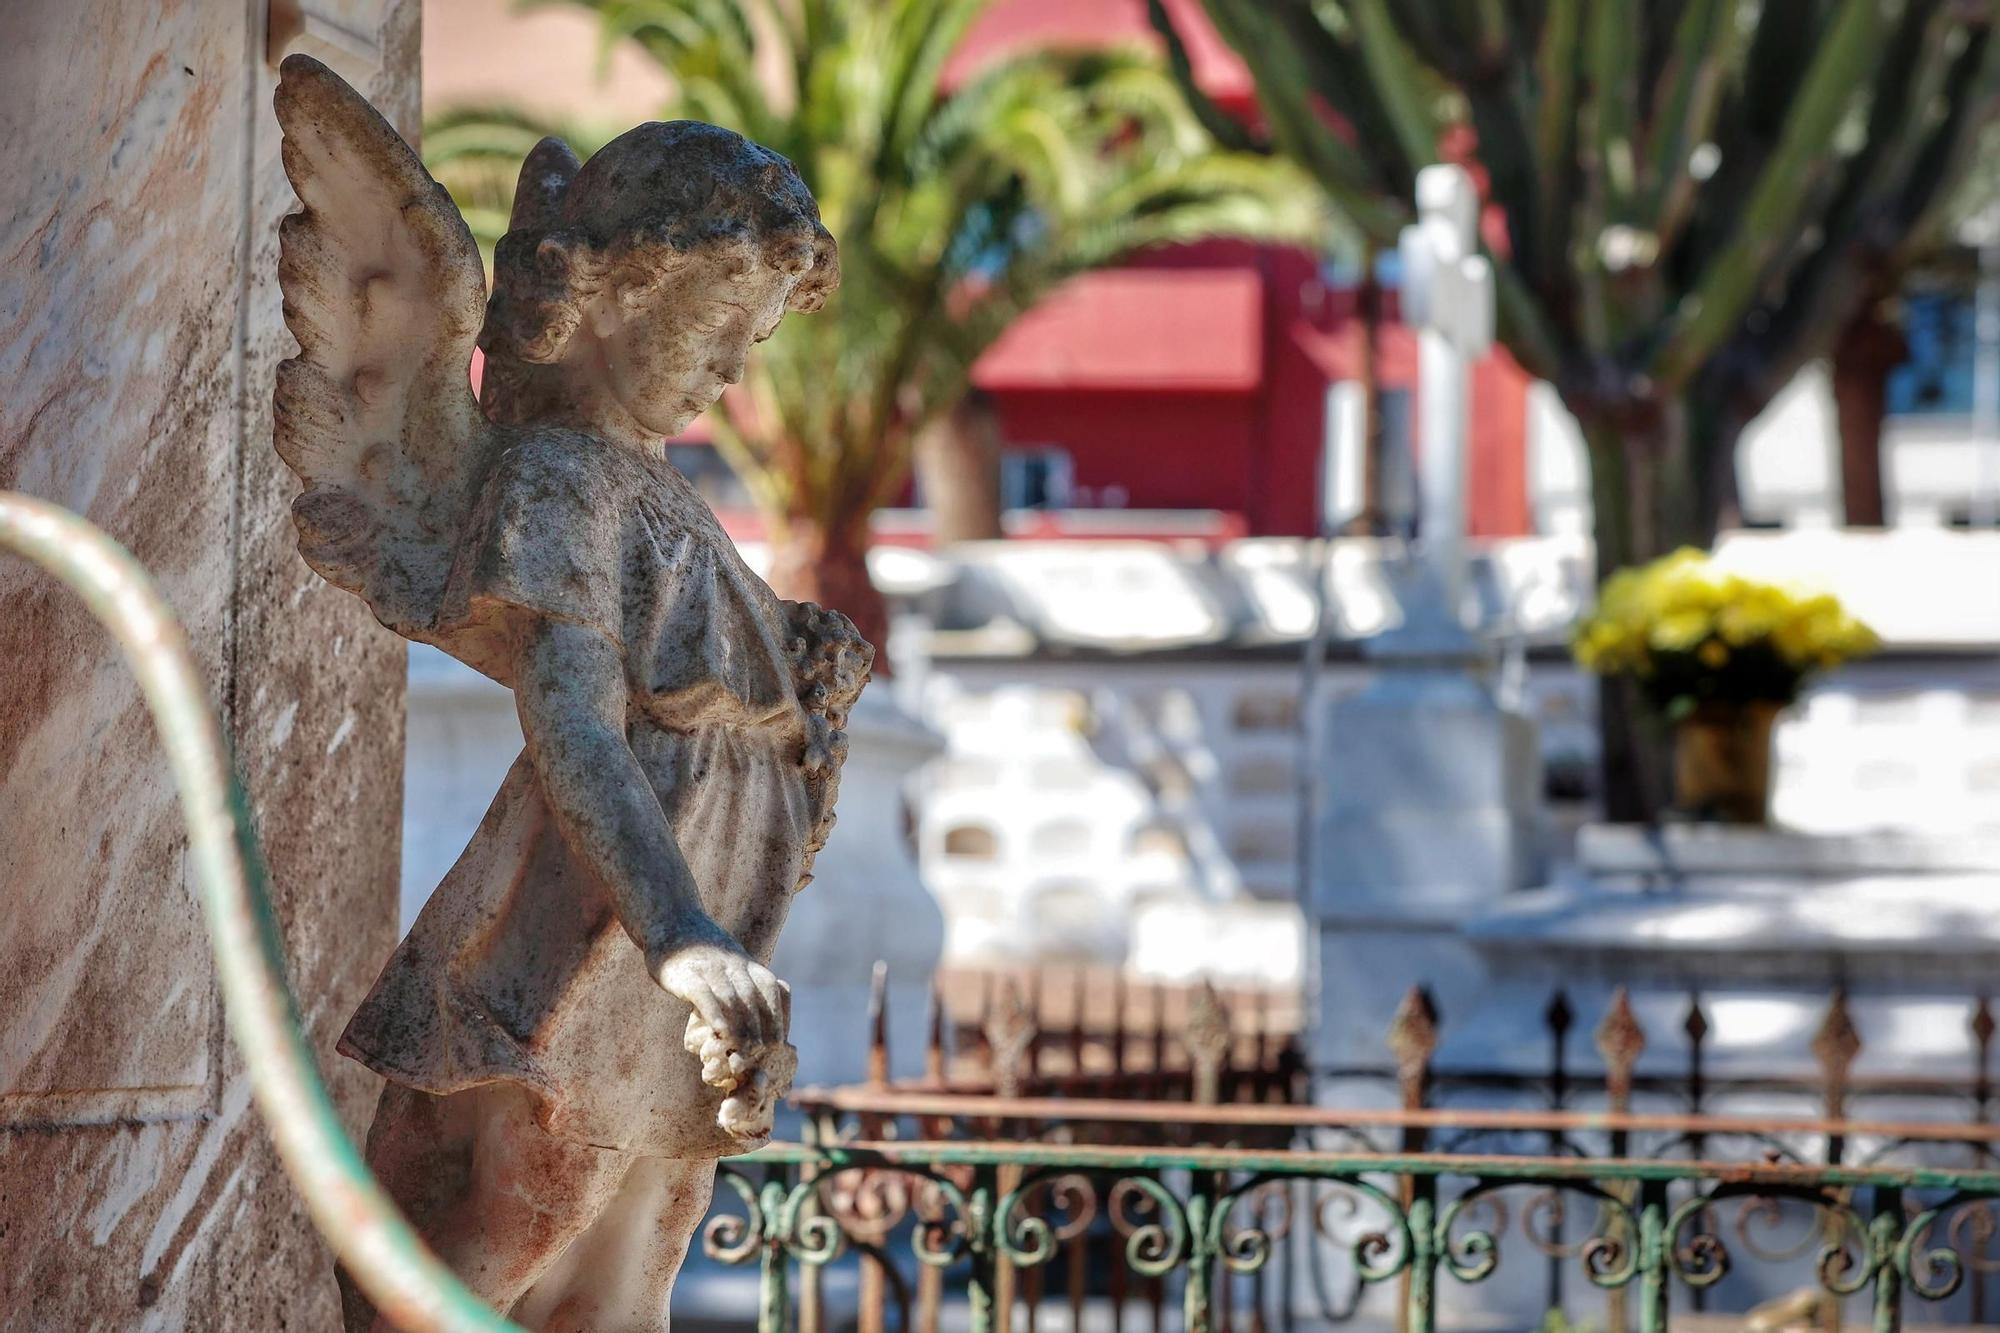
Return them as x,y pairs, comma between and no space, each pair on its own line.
1430,815
1433,795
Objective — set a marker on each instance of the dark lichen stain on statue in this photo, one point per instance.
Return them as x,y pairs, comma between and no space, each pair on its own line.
580,1021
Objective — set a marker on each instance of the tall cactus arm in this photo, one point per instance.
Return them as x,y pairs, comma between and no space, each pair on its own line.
1222,127
1606,154
1338,68
1972,99
1685,102
1425,28
1406,102
1779,60
1498,103
1859,221
1612,58
1460,37
1487,22
1907,82
1747,128
1721,295
1878,207
1556,174
1285,94
1903,107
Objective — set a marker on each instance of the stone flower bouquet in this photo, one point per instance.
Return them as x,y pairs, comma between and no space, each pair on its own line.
1718,655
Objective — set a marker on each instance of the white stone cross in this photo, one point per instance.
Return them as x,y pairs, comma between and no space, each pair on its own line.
1447,296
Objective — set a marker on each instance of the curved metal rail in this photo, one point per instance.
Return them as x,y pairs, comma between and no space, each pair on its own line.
407,1283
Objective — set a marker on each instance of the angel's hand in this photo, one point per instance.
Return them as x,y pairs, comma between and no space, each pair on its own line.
737,1030
754,1079
736,998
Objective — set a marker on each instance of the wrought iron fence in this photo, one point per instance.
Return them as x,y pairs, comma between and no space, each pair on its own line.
1061,1031
1677,1067
1122,1234
1091,1030
1230,1079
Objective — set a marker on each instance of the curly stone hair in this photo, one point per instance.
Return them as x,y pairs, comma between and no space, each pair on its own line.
830,663
644,204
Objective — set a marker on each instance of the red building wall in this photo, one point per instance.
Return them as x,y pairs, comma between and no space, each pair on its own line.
1180,401
1209,391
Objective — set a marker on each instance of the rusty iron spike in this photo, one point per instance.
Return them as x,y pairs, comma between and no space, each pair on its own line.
1835,1045
934,1039
1010,1036
1413,1040
878,1024
1079,995
1620,1040
1207,1039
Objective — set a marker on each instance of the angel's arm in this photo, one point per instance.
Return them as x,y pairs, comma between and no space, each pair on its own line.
569,686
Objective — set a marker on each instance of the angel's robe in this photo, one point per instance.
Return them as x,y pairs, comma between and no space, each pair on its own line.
518,968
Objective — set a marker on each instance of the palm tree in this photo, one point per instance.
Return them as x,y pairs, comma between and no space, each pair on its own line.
956,210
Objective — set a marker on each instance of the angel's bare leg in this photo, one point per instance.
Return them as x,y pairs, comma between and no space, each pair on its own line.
497,1198
618,1277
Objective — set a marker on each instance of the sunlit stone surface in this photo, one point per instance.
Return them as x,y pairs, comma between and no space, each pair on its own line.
138,252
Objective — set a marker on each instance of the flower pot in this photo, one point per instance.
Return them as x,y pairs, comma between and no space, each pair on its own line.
1722,762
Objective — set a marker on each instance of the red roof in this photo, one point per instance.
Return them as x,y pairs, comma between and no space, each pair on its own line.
1178,330
1008,27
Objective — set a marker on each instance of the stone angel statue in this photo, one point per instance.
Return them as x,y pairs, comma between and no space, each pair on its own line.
581,1019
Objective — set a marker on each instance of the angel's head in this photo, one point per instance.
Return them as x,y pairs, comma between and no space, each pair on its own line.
644,276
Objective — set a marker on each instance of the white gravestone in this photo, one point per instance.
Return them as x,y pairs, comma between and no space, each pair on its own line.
1433,788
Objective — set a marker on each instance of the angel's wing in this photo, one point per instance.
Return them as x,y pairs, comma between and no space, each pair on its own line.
385,293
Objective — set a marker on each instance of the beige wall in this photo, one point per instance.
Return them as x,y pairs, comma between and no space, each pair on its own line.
139,327
547,60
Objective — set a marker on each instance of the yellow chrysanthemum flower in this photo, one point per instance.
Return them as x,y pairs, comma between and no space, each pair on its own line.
1680,630
1684,605
1753,612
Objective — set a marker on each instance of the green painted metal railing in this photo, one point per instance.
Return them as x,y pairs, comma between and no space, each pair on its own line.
407,1283
997,1206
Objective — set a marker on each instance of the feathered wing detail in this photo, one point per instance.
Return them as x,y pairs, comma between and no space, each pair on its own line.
385,293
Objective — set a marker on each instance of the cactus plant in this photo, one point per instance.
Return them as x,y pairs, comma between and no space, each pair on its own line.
1694,198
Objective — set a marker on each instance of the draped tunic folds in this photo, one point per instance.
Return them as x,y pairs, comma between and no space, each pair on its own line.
518,968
